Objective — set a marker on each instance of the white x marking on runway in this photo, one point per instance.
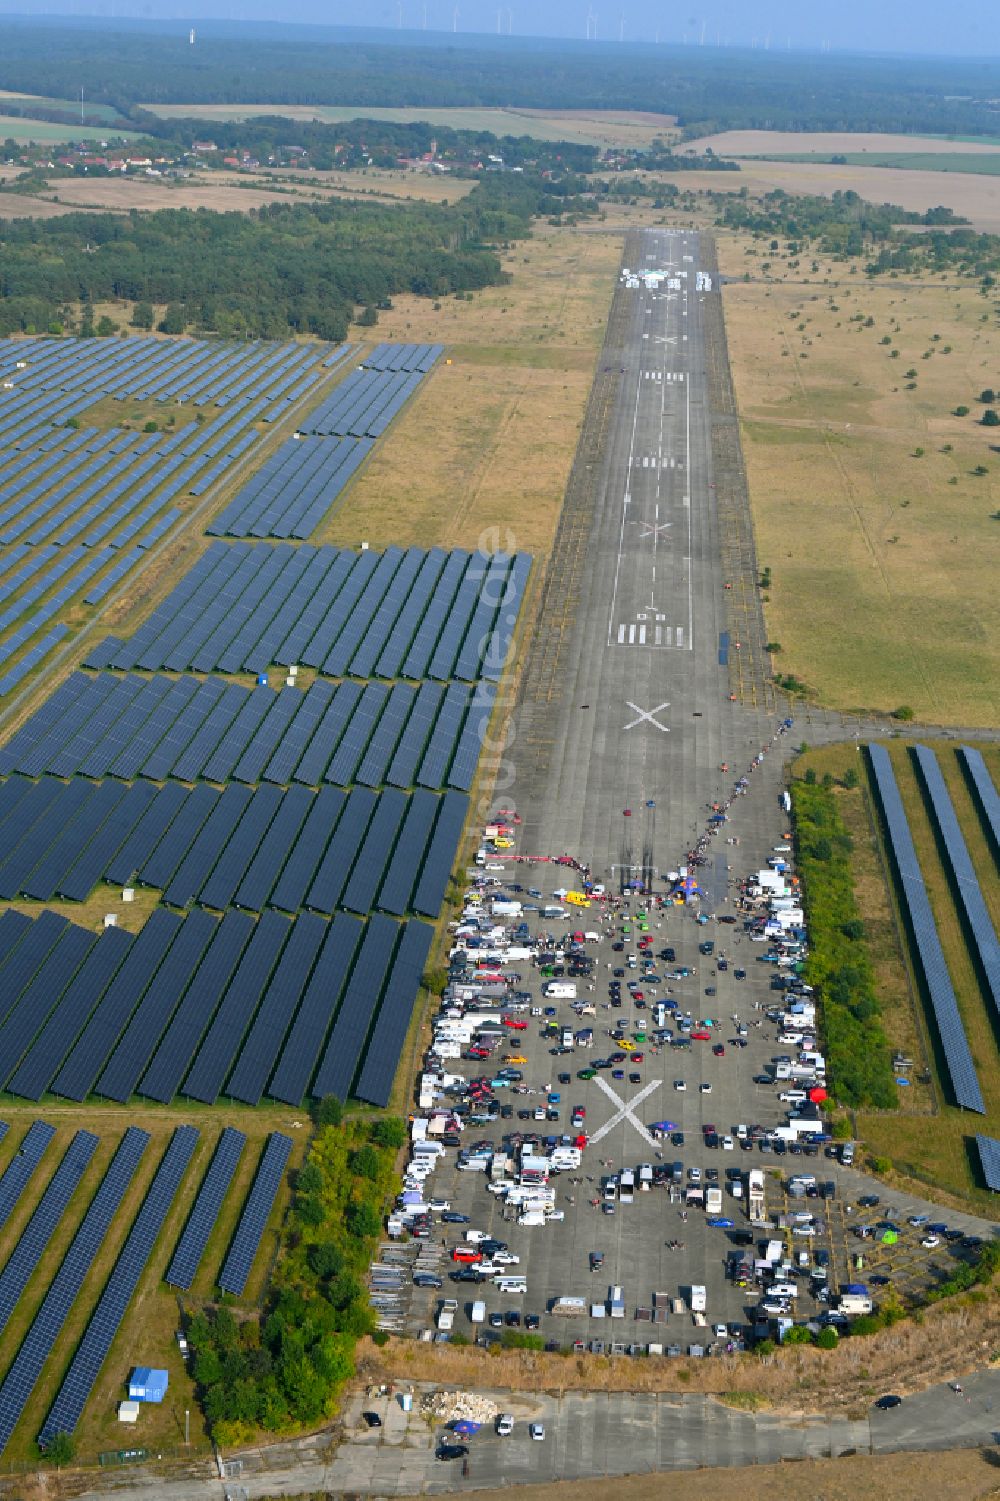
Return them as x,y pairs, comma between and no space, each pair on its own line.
650,529
624,1112
647,716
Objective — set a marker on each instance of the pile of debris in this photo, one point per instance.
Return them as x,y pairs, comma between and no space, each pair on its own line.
449,1407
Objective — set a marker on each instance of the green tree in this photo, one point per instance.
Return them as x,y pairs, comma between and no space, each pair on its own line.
961,412
797,1335
365,1163
987,396
328,1111
991,418
143,315
106,326
174,320
368,318
60,1449
363,1220
827,1339
389,1132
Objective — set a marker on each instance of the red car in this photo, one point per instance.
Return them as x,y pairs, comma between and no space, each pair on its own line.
478,1053
516,1023
719,1050
637,1058
467,1254
701,1037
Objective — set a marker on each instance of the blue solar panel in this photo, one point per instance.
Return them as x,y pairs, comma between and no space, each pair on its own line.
408,857
441,852
20,1170
290,890
346,1043
105,1321
373,857
270,1026
130,1053
385,1048
963,872
984,791
33,1240
335,866
249,982
951,1032
317,1009
205,850
24,1371
65,1023
194,1238
75,1078
162,1079
256,1211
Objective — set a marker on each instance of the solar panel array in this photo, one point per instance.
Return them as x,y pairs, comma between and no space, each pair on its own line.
203,1007
22,1167
65,1412
365,403
989,1160
411,614
189,728
80,506
986,795
23,1372
954,1044
248,847
963,872
294,491
194,1238
253,1220
31,1244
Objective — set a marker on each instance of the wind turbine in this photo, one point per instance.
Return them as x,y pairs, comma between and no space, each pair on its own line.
621,27
454,19
591,24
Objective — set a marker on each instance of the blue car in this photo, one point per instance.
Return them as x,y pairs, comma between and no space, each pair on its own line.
721,1223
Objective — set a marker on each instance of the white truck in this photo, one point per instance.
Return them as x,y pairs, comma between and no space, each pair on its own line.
616,1300
446,1313
478,1314
699,1299
854,1304
713,1200
626,1186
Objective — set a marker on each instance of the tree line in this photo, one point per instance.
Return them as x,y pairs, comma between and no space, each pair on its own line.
279,270
706,88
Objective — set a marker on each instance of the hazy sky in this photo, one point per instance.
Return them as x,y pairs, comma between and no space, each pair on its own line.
896,26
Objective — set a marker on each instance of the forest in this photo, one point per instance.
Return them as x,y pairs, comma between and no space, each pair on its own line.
280,270
121,64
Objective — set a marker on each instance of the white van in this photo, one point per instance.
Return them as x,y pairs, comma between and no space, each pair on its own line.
531,1217
559,990
511,1284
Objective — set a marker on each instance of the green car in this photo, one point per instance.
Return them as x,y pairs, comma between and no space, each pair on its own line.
587,1073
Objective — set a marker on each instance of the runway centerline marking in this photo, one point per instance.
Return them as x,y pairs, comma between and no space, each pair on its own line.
647,716
625,1112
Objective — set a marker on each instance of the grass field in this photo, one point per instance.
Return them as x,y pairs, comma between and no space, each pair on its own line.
825,143
44,131
594,128
985,164
882,561
483,451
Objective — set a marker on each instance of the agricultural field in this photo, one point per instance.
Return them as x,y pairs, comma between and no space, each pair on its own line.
44,132
984,165
824,144
927,1140
498,426
603,128
872,500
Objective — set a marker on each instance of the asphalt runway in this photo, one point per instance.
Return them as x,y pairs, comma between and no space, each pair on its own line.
642,719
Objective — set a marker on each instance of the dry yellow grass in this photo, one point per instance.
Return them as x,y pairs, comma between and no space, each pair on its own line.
882,562
483,451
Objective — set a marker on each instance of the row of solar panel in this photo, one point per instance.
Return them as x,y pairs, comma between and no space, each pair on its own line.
989,1160
984,792
291,494
190,370
411,614
420,357
113,1302
963,872
951,1032
203,1007
252,849
363,405
191,729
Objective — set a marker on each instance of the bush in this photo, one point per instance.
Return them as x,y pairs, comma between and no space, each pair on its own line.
60,1449
990,418
960,412
365,1163
839,966
827,1339
903,713
388,1132
797,1335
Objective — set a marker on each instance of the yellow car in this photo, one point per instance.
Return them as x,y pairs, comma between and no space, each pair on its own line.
503,844
514,1058
577,899
626,1046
